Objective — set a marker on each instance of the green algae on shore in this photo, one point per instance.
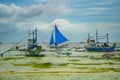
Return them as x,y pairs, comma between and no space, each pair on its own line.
36,65
12,58
97,70
110,63
73,60
42,65
110,58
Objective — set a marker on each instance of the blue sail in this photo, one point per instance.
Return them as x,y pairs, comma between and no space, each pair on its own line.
51,39
59,38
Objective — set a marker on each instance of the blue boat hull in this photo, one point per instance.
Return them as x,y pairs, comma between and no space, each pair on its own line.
100,49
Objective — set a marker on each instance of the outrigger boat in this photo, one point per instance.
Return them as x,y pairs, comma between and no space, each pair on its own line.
93,45
33,49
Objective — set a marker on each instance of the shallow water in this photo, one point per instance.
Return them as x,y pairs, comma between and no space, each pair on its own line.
79,66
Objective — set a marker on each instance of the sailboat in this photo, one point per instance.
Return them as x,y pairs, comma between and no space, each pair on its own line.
57,38
94,45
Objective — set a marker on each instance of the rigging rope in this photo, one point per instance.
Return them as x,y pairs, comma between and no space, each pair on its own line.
14,45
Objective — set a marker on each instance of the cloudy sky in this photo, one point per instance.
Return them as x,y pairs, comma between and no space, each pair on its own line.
74,18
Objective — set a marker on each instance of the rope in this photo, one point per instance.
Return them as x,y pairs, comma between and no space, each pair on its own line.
13,46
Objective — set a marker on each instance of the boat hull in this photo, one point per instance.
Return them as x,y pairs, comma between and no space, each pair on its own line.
34,53
100,49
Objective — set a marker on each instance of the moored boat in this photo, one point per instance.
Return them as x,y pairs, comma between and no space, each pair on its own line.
95,45
33,49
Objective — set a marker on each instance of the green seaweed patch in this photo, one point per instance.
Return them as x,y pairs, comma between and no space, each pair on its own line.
97,70
92,70
34,56
110,63
111,69
74,60
12,58
12,72
64,64
115,58
60,65
85,56
86,63
80,67
21,64
1,63
36,65
42,65
96,58
115,69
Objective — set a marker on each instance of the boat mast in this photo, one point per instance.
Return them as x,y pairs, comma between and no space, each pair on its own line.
107,39
55,37
96,38
88,36
36,44
33,38
32,41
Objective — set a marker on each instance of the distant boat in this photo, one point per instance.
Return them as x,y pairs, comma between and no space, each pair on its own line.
93,45
57,38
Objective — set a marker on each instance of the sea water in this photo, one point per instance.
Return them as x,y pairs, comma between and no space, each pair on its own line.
14,65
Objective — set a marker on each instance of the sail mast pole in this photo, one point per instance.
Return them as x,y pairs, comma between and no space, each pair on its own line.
55,37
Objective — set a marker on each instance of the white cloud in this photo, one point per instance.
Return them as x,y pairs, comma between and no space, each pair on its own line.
16,14
24,18
45,16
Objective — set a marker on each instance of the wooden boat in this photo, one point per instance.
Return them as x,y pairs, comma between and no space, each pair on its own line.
33,49
93,45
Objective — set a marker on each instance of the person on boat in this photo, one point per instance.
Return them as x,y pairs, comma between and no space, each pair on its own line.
106,45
